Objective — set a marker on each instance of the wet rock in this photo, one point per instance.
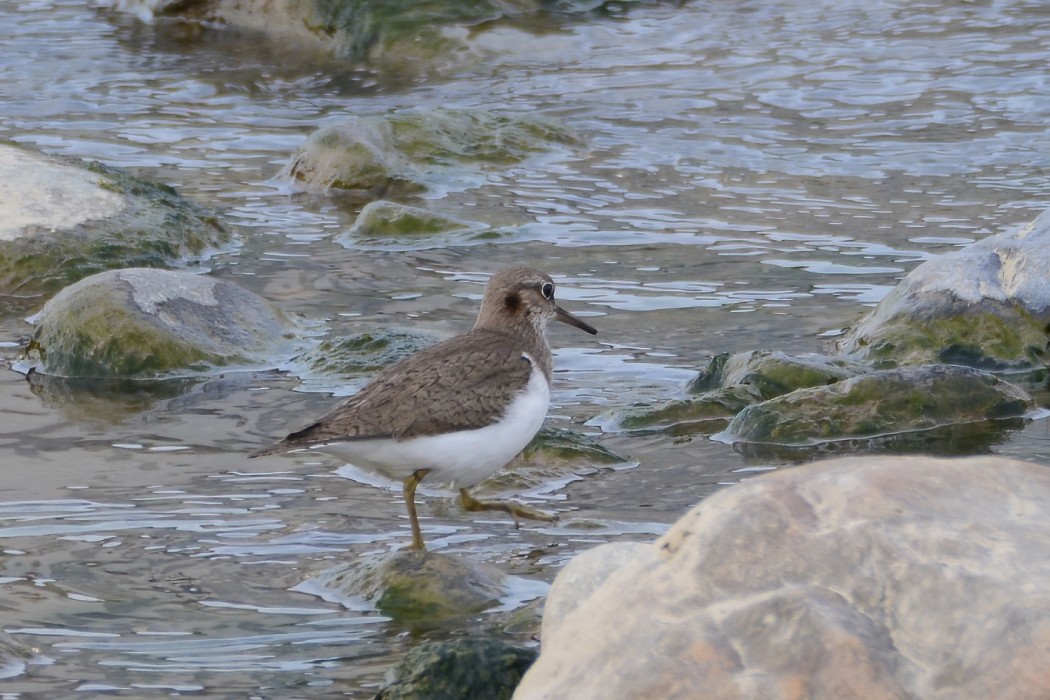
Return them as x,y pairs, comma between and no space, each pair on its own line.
706,413
728,384
855,578
385,223
398,154
350,28
771,373
554,457
459,669
145,323
879,404
985,306
364,353
62,220
417,588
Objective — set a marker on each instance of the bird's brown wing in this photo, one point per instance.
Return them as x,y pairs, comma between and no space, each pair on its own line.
462,383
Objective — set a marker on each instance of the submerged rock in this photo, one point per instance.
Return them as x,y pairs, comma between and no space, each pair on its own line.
459,669
386,223
396,155
986,305
555,456
62,220
417,588
879,404
390,219
364,353
351,28
727,385
856,578
145,323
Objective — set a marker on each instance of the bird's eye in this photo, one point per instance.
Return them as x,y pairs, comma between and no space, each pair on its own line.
547,290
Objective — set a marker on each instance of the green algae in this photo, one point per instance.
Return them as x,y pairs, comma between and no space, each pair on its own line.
988,336
881,403
384,219
419,589
364,353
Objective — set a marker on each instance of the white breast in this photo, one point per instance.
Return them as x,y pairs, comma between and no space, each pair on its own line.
462,458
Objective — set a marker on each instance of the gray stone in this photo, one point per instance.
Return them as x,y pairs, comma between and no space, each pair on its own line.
862,578
985,305
145,323
62,220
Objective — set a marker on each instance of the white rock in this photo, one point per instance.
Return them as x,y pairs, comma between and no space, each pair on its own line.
39,193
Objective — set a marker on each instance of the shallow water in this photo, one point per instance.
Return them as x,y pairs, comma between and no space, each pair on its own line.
753,175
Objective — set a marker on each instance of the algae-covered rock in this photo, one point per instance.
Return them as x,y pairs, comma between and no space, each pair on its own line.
706,413
350,28
384,224
728,384
397,154
771,373
417,588
364,353
880,404
985,306
554,456
63,220
145,323
459,669
390,219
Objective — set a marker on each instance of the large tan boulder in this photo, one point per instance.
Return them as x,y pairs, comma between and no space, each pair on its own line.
872,578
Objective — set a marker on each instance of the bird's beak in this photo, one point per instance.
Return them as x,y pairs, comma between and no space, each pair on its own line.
565,317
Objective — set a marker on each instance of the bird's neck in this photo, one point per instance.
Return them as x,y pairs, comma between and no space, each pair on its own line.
532,338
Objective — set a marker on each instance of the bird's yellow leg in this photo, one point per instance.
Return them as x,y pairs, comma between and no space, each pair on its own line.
410,485
516,510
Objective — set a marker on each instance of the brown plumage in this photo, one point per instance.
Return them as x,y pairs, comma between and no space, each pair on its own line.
495,377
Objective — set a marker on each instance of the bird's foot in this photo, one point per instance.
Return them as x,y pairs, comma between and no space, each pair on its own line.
516,510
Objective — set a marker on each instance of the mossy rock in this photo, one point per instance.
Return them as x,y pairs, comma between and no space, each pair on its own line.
459,669
707,413
418,588
384,225
364,353
986,305
880,404
554,455
991,335
144,323
400,154
134,223
771,373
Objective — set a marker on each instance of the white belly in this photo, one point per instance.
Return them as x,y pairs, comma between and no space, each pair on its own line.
462,458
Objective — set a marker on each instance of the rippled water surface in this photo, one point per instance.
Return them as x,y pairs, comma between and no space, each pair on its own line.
751,175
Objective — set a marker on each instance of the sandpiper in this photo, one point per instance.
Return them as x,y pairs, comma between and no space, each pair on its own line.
460,410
